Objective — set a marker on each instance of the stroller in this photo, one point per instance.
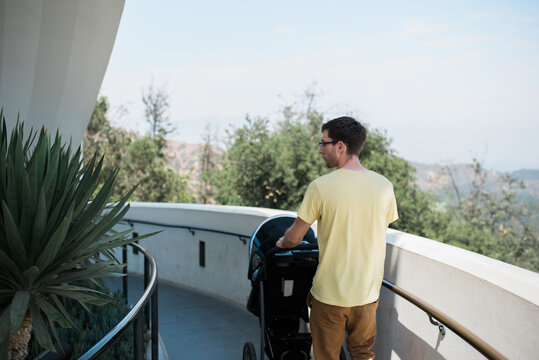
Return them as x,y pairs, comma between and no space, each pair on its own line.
280,280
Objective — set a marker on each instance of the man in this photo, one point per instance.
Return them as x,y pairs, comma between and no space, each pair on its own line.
353,207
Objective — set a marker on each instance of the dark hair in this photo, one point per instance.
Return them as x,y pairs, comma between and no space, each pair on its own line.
349,131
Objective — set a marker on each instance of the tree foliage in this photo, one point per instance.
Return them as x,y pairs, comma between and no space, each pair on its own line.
491,221
156,105
138,160
270,168
208,161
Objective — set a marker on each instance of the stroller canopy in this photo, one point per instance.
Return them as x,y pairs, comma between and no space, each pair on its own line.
266,235
269,231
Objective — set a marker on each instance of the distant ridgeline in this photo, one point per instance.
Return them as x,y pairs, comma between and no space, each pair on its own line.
434,178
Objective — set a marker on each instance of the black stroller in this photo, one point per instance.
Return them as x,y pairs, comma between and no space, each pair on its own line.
280,280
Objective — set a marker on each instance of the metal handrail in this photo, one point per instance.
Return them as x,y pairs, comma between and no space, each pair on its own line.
480,345
133,315
191,229
468,336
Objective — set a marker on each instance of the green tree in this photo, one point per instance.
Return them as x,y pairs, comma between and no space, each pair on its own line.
268,167
111,142
208,161
297,162
99,119
147,166
490,220
247,166
156,106
138,160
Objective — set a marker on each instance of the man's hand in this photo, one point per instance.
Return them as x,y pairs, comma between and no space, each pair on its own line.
293,236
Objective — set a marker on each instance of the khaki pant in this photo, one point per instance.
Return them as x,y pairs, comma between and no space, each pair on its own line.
329,324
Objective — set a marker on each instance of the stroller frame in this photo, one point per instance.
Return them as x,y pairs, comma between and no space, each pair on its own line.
280,280
303,251
280,334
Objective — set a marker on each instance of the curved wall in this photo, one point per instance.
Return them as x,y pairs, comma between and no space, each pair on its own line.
497,301
177,250
53,56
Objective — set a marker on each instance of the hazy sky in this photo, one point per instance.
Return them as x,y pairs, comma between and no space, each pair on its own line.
448,82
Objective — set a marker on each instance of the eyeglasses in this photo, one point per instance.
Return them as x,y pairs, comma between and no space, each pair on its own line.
324,143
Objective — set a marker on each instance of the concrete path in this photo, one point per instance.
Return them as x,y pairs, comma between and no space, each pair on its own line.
196,325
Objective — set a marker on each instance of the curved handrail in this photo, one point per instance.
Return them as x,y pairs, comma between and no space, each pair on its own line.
189,228
468,336
112,335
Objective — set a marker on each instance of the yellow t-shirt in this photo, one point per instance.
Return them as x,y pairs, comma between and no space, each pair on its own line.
353,209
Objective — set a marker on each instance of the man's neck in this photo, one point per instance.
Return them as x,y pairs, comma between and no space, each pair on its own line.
351,163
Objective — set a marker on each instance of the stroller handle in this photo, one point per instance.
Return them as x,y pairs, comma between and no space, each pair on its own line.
276,250
301,246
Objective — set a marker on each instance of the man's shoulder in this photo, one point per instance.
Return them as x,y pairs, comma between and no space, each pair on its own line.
367,178
345,173
323,179
337,176
379,177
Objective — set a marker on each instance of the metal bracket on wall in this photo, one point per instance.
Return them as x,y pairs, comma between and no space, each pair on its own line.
441,326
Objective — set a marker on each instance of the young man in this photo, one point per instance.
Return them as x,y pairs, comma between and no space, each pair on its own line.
353,207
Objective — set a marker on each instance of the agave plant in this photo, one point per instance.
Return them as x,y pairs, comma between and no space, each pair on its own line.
56,236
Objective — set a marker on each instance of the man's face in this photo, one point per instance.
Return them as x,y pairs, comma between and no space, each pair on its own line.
328,151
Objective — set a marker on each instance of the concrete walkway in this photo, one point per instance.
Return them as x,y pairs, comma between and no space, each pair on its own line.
196,325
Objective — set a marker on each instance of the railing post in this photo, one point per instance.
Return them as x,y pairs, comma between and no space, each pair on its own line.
138,338
262,320
124,271
146,282
155,323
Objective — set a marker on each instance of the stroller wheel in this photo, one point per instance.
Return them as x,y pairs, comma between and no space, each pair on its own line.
249,352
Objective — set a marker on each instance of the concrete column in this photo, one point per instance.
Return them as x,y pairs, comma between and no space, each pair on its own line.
53,56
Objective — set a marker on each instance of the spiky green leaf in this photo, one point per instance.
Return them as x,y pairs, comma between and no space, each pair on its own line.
5,323
55,242
36,246
11,267
19,308
64,312
40,329
29,276
13,237
52,313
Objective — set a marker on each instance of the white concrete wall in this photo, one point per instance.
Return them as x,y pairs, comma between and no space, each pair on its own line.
496,301
176,251
53,56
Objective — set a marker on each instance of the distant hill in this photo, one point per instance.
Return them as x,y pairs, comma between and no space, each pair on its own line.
434,178
185,159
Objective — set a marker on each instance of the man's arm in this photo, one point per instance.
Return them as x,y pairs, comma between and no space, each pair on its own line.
293,236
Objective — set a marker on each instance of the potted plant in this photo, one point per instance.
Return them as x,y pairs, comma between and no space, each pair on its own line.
56,236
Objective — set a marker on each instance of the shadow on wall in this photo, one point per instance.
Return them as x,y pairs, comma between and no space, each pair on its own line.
393,336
